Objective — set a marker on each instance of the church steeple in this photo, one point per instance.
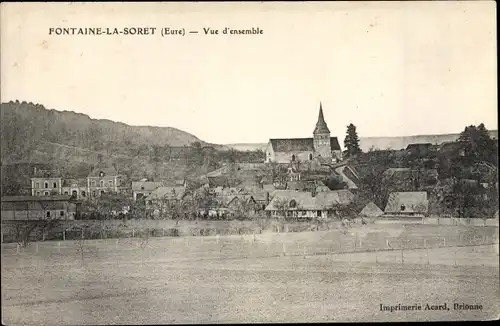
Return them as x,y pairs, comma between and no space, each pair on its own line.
321,127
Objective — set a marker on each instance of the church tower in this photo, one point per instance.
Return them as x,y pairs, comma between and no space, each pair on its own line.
322,146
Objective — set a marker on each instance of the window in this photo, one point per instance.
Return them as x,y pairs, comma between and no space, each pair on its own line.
61,213
74,193
403,207
310,157
101,174
110,183
142,188
37,185
293,158
66,193
318,213
54,185
48,214
38,193
46,193
101,192
46,185
93,183
93,193
83,194
102,183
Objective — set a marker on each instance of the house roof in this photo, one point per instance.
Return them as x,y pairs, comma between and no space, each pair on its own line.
47,174
167,193
73,182
299,144
305,200
146,185
413,202
35,198
268,188
227,200
450,146
108,171
258,196
322,188
218,181
296,185
419,146
371,210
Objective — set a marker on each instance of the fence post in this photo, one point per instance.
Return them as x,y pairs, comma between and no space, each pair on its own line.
58,246
64,235
284,249
17,248
133,233
387,243
455,256
163,232
36,246
402,255
304,252
217,239
444,242
427,255
116,244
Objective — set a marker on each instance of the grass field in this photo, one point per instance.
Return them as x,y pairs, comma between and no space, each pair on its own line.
241,279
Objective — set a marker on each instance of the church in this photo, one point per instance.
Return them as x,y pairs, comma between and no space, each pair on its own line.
321,146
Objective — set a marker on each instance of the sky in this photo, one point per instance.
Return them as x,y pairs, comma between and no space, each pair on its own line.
390,68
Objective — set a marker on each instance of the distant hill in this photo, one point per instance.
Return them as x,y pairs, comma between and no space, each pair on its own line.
402,142
30,132
379,142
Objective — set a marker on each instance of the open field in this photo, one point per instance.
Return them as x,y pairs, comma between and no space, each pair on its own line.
241,279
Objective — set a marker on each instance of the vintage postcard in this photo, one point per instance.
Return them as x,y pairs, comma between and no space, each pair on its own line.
272,162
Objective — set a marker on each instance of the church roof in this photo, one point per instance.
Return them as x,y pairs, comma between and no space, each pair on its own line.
321,127
300,144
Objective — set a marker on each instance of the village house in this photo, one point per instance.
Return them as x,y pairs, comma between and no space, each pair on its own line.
163,198
141,189
451,148
421,149
101,180
307,205
321,145
407,204
15,208
77,188
46,183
